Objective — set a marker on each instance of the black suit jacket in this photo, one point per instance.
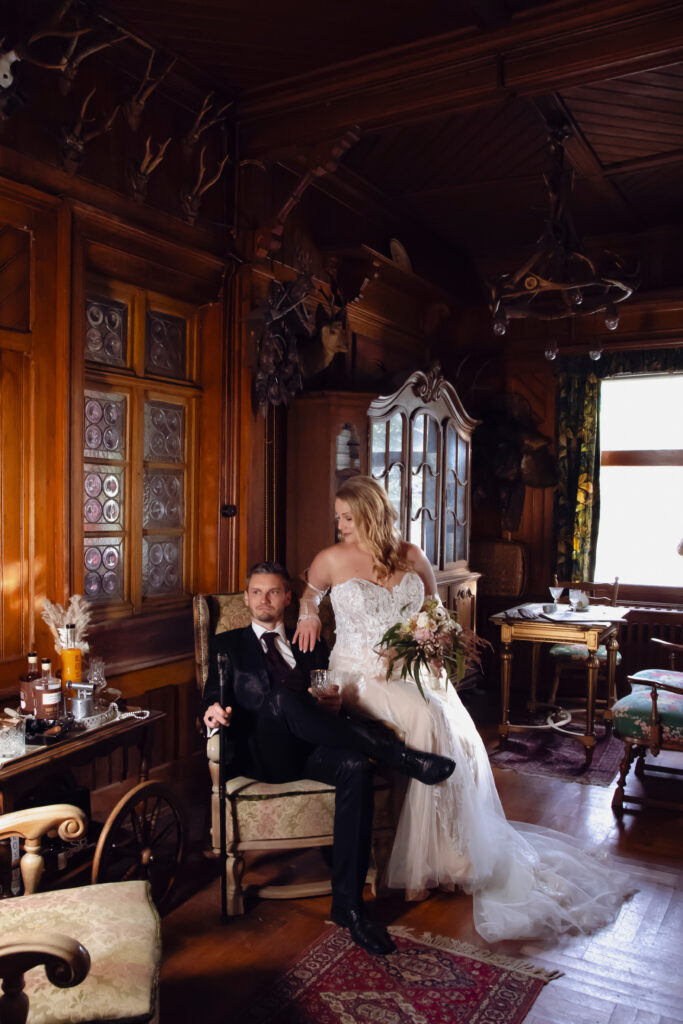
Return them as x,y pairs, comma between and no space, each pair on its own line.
248,685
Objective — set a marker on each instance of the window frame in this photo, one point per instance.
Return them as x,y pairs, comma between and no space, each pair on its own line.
630,593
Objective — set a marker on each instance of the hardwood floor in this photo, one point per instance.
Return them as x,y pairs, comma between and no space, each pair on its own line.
629,973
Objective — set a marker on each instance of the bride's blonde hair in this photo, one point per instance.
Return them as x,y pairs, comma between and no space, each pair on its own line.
374,517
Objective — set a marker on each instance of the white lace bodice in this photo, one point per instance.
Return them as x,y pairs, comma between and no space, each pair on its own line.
363,610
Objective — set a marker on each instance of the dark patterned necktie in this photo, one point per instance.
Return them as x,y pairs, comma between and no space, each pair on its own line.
279,671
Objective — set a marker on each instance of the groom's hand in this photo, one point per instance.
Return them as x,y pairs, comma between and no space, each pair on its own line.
330,699
216,715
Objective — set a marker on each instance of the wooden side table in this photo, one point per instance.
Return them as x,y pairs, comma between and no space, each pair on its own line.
600,625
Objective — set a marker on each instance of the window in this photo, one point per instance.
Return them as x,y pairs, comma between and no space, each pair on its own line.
137,507
641,481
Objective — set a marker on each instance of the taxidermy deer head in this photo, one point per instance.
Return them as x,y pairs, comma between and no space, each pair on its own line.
10,96
7,59
317,352
69,61
200,125
191,200
136,104
138,175
75,139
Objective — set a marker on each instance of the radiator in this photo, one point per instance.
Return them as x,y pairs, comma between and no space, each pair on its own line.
643,623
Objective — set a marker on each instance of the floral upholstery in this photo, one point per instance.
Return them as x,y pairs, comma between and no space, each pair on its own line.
579,652
119,926
633,713
648,720
289,810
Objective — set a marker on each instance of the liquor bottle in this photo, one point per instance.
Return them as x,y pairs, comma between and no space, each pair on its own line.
47,693
26,701
71,661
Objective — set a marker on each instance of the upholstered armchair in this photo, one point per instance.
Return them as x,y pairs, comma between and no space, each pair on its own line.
100,944
269,816
649,720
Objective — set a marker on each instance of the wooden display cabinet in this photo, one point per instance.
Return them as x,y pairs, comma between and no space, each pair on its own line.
417,444
327,441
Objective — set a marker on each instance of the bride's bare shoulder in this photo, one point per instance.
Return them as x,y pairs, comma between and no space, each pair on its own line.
325,566
413,555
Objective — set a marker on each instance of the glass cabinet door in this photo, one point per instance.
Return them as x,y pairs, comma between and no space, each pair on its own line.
388,449
420,444
425,481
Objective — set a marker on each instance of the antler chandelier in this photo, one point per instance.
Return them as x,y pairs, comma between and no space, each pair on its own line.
559,280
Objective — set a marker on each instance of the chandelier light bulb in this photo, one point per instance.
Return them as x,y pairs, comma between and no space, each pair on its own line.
595,353
576,296
611,318
551,350
499,327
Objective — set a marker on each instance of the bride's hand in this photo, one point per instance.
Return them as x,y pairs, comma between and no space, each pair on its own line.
307,633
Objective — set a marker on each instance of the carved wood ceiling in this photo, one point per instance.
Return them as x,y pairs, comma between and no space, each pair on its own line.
453,99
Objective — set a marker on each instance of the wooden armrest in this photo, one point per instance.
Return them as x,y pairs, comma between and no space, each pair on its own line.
666,643
31,825
34,822
671,687
66,964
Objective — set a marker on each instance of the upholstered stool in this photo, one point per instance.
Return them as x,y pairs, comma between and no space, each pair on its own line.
118,925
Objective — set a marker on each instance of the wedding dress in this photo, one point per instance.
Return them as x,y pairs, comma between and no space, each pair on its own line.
526,881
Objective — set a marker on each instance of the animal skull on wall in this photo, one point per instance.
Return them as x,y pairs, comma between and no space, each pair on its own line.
7,59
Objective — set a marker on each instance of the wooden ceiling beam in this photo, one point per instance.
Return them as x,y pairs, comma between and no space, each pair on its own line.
532,55
582,158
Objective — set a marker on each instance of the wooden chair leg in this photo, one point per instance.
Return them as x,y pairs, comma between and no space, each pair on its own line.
618,798
234,869
640,763
556,685
14,1001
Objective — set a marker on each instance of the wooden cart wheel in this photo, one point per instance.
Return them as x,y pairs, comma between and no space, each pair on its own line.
143,838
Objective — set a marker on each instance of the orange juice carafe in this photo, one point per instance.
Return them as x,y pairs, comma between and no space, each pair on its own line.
71,662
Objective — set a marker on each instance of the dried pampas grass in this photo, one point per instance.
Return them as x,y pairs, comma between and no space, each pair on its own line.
77,612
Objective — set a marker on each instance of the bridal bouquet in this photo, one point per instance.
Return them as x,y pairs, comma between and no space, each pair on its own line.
430,639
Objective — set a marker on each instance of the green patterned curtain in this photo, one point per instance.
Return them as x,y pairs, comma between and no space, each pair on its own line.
577,496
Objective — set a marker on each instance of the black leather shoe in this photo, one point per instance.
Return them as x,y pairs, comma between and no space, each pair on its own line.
371,937
427,768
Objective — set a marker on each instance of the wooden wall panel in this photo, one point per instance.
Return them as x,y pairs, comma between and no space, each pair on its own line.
535,382
15,568
34,407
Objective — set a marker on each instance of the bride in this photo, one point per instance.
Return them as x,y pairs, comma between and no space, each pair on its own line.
526,881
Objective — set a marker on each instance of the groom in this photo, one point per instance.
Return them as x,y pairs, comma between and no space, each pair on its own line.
280,732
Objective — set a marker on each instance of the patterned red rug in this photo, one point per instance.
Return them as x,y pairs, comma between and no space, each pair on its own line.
550,753
428,980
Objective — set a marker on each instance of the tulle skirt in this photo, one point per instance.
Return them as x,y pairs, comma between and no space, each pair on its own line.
526,881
